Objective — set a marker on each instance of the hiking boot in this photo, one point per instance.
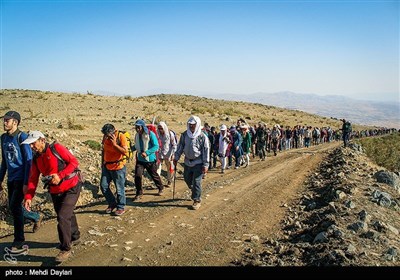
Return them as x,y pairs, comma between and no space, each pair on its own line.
160,192
169,183
63,256
76,242
73,243
222,171
18,246
37,224
138,197
109,210
119,212
196,205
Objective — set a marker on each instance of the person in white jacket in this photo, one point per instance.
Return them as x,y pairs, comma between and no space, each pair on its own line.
167,150
224,140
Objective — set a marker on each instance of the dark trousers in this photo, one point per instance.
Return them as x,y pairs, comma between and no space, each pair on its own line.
15,198
64,205
151,168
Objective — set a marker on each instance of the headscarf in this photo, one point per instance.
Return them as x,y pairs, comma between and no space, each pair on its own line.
165,128
197,131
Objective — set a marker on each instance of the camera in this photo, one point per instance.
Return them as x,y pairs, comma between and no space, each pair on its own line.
46,181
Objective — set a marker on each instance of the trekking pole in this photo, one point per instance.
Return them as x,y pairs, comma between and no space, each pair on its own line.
173,189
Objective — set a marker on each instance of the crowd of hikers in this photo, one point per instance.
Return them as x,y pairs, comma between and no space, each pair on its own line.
26,157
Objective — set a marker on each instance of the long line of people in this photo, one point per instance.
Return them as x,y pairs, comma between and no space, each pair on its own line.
202,148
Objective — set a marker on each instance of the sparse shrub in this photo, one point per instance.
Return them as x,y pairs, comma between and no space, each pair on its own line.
94,145
128,97
73,126
274,120
229,111
384,151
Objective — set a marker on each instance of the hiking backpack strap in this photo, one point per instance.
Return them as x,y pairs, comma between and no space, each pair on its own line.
102,151
62,163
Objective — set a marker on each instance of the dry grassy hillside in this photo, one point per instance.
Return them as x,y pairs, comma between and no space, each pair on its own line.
82,115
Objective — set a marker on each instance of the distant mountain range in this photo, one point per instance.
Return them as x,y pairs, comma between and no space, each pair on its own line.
386,114
357,111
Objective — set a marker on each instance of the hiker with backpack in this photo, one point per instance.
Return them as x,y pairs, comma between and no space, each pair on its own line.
237,149
275,135
246,144
16,161
223,146
146,146
60,170
167,149
261,140
346,132
211,138
113,168
194,144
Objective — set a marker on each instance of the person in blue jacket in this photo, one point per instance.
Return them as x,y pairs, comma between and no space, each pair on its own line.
16,161
146,146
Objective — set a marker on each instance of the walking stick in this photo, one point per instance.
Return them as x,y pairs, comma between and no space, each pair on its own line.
173,189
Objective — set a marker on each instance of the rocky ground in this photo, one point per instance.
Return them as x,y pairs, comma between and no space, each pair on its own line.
348,215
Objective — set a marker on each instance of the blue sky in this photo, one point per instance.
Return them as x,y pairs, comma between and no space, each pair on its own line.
346,48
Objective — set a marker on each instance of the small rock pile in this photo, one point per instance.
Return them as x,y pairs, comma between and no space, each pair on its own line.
348,216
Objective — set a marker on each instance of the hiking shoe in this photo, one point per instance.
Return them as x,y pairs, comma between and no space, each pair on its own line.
222,171
137,197
160,192
119,212
37,224
109,209
196,205
63,256
76,242
73,243
18,246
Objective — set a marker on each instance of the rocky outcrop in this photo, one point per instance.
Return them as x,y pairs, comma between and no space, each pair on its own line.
348,215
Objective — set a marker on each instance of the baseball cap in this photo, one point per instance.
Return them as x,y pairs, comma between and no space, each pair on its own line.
223,127
33,136
12,115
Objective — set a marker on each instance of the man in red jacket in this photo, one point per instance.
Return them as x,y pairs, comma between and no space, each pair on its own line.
59,169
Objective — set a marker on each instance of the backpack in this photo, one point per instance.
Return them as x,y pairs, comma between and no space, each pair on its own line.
315,133
19,138
128,139
62,164
172,134
347,127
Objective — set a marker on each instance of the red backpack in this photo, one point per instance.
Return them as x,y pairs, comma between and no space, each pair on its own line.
153,127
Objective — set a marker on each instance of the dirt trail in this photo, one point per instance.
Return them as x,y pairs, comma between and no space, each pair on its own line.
237,207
